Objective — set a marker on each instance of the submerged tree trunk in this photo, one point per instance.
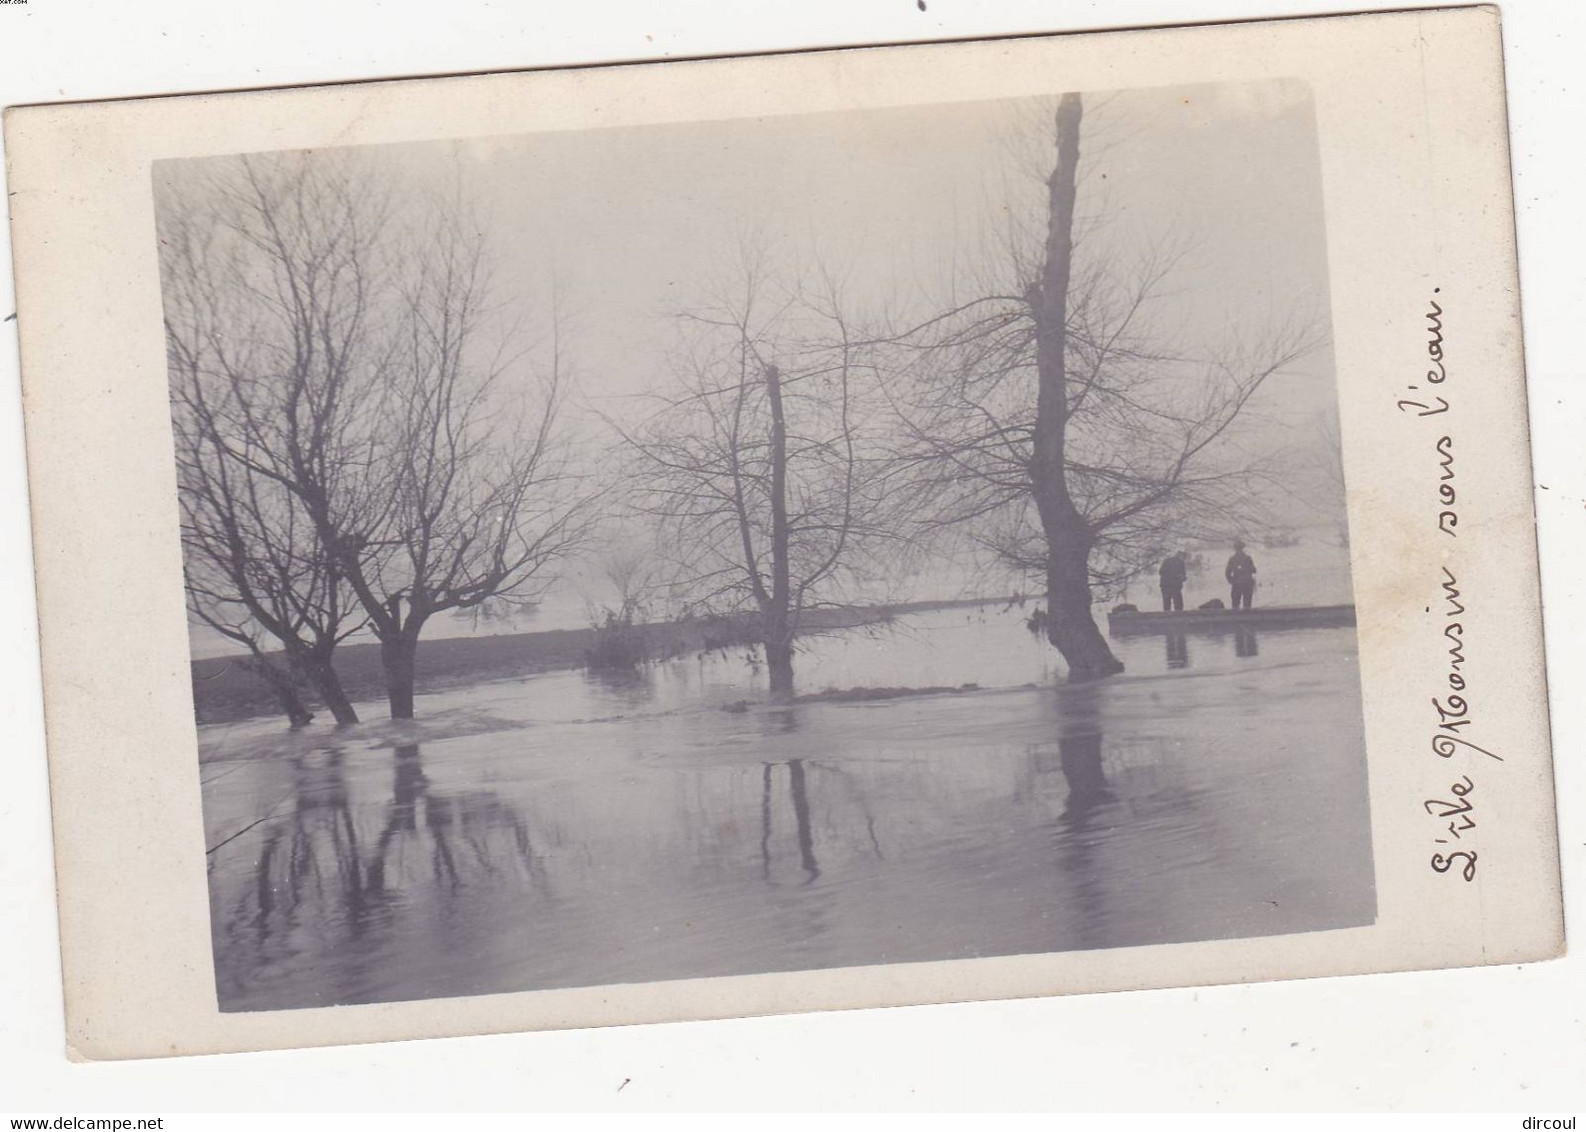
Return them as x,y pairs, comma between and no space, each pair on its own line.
1068,537
285,689
777,616
1070,626
397,655
327,684
779,661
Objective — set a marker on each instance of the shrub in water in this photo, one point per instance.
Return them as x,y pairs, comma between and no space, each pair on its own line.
619,643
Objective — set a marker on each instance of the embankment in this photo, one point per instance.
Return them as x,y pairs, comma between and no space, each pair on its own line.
224,691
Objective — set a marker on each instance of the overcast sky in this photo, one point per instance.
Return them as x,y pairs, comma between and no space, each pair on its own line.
631,225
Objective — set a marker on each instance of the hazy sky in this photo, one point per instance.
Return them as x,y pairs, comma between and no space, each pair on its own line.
631,225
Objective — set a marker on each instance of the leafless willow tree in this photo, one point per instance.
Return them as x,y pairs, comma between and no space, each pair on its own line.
478,499
1056,415
257,570
256,575
760,465
348,359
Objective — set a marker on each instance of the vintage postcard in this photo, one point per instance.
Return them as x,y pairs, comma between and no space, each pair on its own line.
853,528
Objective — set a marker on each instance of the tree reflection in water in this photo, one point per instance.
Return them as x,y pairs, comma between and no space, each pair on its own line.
797,790
331,875
798,795
630,687
471,834
1087,780
1176,644
735,839
1082,825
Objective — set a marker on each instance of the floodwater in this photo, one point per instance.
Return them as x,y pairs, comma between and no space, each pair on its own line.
565,830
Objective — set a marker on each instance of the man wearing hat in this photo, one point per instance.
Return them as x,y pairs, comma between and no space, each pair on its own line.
1241,575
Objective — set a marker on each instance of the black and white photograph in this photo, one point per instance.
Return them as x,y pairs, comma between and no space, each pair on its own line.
638,568
773,544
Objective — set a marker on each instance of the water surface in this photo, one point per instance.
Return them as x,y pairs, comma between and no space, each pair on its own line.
567,830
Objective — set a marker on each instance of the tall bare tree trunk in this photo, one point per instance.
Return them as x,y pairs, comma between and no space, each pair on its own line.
776,615
1068,537
397,655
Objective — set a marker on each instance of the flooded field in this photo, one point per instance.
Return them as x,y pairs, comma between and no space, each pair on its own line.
568,830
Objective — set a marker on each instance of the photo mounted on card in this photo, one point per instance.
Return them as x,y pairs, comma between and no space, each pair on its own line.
870,527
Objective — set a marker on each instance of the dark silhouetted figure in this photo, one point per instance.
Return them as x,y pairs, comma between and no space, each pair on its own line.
1241,575
1171,576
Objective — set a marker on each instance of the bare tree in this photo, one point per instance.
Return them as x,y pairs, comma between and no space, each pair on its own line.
233,622
1062,422
256,568
255,572
352,345
759,466
477,495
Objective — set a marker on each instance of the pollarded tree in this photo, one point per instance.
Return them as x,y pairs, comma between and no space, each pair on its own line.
478,500
1060,419
256,569
355,347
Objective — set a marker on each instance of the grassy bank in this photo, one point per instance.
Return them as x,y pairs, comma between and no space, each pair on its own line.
224,692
